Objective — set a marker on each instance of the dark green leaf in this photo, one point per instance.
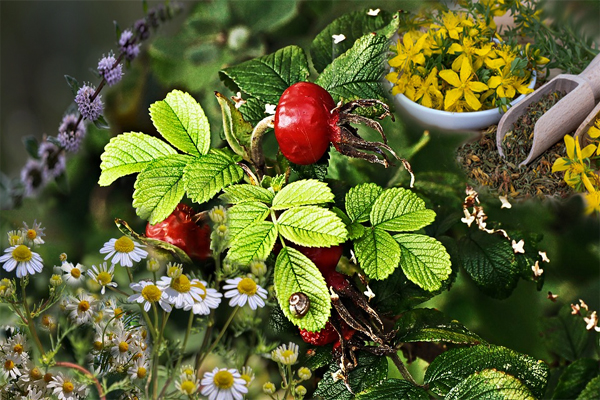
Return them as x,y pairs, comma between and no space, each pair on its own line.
360,200
253,110
453,366
267,77
31,145
490,384
377,252
264,15
397,294
317,170
490,261
101,123
238,132
591,390
429,325
73,84
352,25
393,389
370,371
319,357
575,378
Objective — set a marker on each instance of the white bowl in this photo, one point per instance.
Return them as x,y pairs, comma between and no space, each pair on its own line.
454,121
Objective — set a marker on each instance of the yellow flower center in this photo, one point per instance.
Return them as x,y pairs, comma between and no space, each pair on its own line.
48,377
141,372
188,371
68,387
18,348
151,293
200,286
287,353
247,286
14,239
247,378
119,312
35,373
46,320
577,168
123,347
104,278
181,284
188,387
98,345
124,245
83,306
9,364
21,253
223,379
75,272
31,234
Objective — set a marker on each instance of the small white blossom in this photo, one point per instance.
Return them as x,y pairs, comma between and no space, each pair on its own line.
221,384
537,271
592,322
373,13
338,38
518,246
286,354
544,256
123,251
23,259
270,109
65,388
504,201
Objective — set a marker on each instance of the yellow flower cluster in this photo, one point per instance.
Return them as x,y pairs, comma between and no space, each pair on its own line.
578,167
455,61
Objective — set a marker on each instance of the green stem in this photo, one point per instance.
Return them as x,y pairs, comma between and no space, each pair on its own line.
205,340
214,344
156,351
402,368
185,340
30,323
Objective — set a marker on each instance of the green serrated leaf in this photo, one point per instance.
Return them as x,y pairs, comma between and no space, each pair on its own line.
255,244
358,73
429,325
264,15
303,193
129,153
491,385
253,110
244,192
207,175
370,371
490,261
453,366
565,335
400,210
352,25
238,132
267,77
424,261
377,252
316,171
360,200
575,378
319,357
294,272
279,325
159,187
393,389
355,231
181,120
242,215
312,226
591,390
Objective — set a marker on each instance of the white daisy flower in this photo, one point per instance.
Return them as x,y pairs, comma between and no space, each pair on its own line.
148,293
103,275
218,215
223,384
139,368
187,384
22,258
17,344
247,375
180,291
187,370
73,274
286,354
10,366
81,308
31,373
35,233
66,388
16,237
209,299
34,393
121,341
242,290
123,251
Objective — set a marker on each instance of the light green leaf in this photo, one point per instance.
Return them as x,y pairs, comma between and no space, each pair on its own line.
424,261
129,153
575,378
358,73
267,77
207,175
242,215
453,366
159,188
360,200
393,389
255,244
181,120
238,132
490,384
352,25
294,272
242,193
400,210
312,226
302,193
377,252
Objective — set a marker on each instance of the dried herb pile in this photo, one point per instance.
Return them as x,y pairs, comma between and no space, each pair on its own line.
484,165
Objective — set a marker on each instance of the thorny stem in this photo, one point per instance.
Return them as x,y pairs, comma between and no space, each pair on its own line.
87,373
402,368
30,323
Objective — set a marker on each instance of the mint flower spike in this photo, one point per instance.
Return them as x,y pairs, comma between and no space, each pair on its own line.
87,108
71,133
110,70
32,177
128,46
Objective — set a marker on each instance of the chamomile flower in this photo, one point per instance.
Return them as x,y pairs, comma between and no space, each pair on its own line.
10,366
180,291
6,287
187,384
17,344
34,394
121,343
148,293
66,388
223,384
208,299
103,275
247,375
286,354
81,308
73,274
31,373
16,237
35,233
241,290
23,259
139,368
123,251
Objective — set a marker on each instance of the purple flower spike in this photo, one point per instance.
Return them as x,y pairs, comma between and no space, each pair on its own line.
69,135
128,45
89,109
32,177
109,71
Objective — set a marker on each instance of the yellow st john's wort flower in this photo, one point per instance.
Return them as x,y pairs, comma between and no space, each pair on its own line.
507,85
574,164
429,93
463,86
453,24
466,50
409,50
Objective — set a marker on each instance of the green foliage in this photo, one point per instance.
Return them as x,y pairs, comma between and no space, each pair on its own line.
377,252
490,384
393,389
237,131
360,199
246,193
255,243
311,226
397,294
591,390
302,193
400,210
370,371
575,378
565,335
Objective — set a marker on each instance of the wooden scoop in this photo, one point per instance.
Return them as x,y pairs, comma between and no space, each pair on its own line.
583,91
